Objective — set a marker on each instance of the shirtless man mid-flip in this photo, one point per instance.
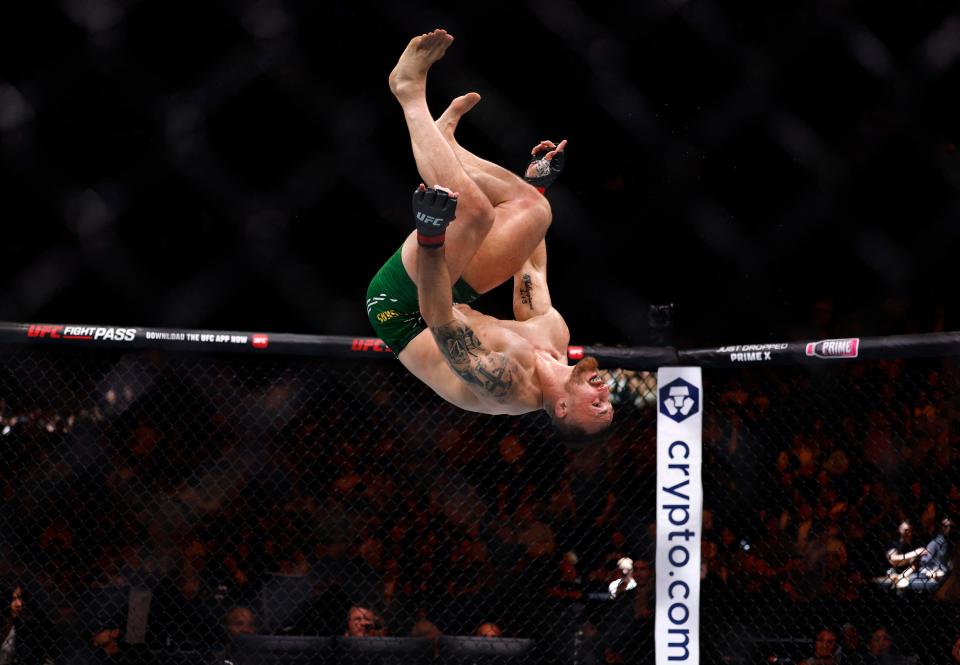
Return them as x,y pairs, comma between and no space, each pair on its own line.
475,361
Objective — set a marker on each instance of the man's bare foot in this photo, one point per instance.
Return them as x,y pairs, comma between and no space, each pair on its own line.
409,77
447,122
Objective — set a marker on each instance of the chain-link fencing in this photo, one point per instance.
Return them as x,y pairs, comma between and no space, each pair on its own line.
186,507
299,496
826,492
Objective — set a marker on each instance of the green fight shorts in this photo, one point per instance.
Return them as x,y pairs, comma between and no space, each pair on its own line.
393,307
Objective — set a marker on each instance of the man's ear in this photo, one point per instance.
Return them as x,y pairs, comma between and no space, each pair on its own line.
560,409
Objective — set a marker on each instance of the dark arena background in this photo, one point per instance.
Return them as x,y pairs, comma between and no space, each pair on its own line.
780,174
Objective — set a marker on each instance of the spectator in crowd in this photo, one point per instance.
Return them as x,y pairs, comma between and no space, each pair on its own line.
955,652
569,584
364,622
22,640
240,620
425,628
824,649
58,551
851,643
469,569
106,643
616,547
880,648
13,594
903,557
935,563
625,581
488,629
183,611
605,569
536,536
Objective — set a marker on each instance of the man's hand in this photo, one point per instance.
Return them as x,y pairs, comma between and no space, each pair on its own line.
433,208
546,164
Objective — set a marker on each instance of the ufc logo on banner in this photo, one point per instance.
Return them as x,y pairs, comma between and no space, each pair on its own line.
44,331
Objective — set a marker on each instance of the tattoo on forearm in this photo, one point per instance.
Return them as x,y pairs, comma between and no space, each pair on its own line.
526,290
473,363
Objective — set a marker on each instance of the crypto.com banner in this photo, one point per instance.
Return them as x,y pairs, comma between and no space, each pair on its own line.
679,508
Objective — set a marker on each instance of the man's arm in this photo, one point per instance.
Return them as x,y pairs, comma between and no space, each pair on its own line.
897,559
463,349
533,308
490,370
530,294
456,339
935,559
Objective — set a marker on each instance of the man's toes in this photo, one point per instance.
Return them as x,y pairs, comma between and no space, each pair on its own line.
435,39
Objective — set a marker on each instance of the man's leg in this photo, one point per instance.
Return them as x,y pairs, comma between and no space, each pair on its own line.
436,161
522,214
499,184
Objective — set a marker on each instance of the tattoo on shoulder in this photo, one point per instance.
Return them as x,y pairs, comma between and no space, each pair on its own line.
459,344
526,290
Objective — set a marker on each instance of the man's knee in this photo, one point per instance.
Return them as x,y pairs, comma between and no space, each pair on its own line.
538,210
478,210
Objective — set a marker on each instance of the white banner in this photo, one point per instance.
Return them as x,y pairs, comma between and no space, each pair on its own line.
679,512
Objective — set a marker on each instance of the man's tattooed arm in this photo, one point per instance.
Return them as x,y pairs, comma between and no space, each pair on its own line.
530,295
526,290
473,363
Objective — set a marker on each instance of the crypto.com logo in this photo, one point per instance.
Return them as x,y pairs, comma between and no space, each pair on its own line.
679,400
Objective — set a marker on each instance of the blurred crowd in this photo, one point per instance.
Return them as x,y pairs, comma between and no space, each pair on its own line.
173,505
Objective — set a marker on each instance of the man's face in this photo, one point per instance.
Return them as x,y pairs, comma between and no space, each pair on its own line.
360,622
851,638
106,639
880,642
588,398
16,603
240,621
825,645
489,630
906,532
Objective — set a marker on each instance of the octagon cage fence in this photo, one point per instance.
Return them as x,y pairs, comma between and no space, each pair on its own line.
181,496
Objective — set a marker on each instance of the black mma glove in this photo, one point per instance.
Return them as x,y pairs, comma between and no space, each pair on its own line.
547,170
433,209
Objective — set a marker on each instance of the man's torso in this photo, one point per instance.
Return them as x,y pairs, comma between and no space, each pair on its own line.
522,344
